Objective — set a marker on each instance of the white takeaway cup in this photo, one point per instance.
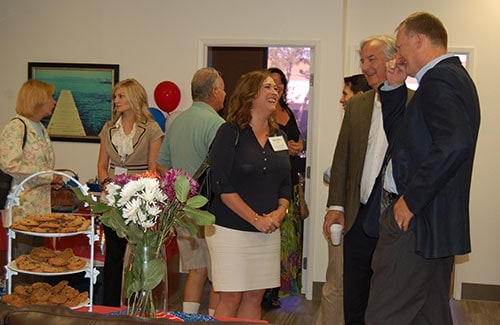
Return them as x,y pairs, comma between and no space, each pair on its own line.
336,233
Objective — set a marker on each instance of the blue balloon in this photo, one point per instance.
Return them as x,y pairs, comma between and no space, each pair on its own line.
159,117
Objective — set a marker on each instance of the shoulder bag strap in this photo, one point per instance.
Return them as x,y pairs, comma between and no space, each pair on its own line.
25,130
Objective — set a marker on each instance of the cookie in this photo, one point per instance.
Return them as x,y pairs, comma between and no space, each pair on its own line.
75,263
57,261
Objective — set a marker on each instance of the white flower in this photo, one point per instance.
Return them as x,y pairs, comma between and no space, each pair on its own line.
146,220
112,189
128,191
153,209
142,200
131,211
152,192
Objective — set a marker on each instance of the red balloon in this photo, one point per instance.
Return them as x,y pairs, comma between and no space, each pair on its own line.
167,96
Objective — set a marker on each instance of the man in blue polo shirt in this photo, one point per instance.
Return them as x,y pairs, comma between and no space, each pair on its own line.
185,146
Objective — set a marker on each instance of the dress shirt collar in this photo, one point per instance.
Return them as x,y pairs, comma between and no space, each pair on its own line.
431,65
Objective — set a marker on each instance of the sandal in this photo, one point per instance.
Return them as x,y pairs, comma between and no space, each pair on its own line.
268,303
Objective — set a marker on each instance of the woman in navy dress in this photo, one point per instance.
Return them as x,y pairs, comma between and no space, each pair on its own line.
250,168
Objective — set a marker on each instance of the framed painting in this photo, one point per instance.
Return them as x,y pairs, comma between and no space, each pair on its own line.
83,98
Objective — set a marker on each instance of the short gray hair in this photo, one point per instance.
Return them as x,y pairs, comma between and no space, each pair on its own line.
203,81
388,41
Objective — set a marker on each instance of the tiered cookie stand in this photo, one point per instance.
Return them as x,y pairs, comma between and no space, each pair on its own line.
11,270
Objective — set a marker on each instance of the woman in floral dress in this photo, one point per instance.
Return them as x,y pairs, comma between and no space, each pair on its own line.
25,148
291,227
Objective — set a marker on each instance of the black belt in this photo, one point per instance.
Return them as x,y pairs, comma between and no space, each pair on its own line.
388,198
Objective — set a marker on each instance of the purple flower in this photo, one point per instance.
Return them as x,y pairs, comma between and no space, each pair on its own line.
168,179
123,179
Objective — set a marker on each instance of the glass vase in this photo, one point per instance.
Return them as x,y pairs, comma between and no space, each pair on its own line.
144,281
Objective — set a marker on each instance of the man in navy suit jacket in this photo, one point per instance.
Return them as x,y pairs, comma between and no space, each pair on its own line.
430,169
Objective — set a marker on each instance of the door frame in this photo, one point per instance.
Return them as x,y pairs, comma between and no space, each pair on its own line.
314,45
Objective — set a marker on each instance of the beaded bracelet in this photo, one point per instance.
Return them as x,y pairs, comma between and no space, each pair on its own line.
105,181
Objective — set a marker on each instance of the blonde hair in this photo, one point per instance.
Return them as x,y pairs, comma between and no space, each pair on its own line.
32,96
241,101
138,98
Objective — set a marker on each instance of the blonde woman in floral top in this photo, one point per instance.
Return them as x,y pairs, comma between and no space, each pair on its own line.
34,102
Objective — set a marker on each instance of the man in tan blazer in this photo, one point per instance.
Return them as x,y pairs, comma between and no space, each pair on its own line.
354,190
331,309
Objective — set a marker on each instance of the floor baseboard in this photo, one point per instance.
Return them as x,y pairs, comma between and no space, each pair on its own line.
470,291
475,291
317,288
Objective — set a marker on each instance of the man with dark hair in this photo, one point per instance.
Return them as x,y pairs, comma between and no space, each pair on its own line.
435,136
353,85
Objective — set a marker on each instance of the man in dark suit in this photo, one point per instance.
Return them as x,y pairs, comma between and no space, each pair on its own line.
355,188
432,157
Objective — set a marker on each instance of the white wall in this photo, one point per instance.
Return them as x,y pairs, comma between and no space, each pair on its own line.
157,40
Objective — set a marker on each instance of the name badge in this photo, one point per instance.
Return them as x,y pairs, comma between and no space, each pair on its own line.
278,143
120,170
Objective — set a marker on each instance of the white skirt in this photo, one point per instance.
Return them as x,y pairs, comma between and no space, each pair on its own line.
243,260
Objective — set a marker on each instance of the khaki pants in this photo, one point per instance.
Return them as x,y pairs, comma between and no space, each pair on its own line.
331,309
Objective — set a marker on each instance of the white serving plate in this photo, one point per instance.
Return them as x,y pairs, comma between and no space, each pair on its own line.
13,266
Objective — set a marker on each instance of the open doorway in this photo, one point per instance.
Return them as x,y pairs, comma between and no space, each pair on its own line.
296,63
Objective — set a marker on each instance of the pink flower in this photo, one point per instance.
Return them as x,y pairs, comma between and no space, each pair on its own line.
168,179
123,179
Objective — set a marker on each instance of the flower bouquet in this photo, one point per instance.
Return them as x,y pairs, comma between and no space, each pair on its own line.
143,209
